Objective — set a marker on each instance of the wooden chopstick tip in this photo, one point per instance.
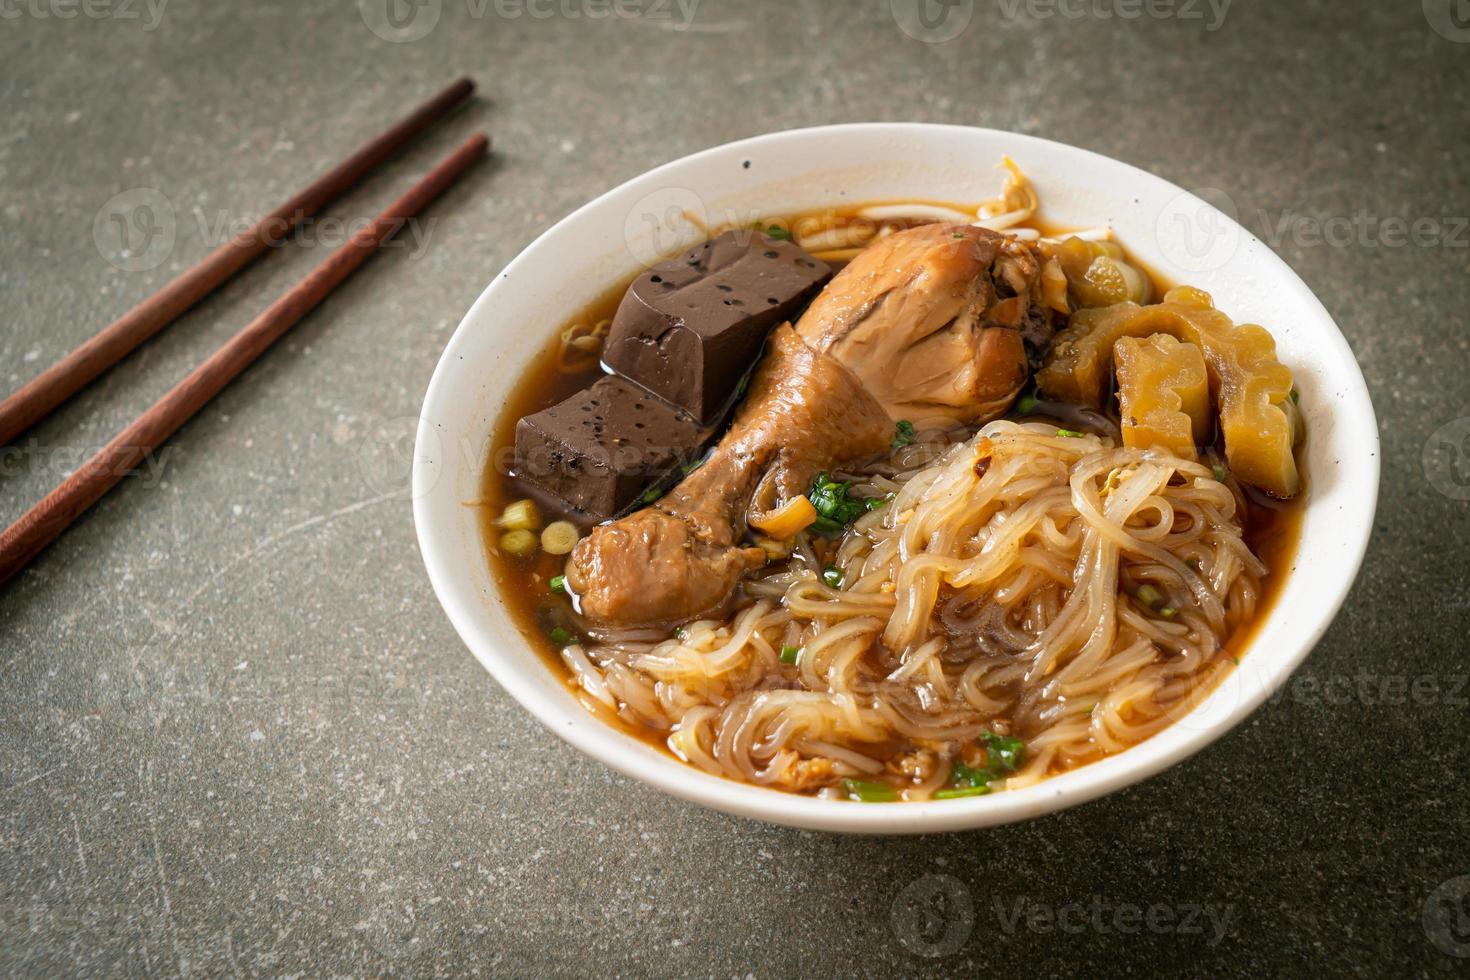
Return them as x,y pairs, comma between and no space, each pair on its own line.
480,141
39,526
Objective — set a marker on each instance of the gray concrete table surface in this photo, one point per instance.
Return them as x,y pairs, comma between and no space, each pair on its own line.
237,735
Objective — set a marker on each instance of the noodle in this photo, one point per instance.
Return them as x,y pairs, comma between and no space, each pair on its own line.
1001,590
581,346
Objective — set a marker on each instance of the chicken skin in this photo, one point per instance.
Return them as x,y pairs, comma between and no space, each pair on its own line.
930,320
682,557
925,325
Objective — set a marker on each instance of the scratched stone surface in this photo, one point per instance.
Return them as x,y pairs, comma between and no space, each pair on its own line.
237,735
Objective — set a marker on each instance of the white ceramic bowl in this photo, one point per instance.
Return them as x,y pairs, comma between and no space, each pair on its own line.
1178,234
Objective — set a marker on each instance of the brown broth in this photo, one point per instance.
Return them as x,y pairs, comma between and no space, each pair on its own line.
525,582
1272,530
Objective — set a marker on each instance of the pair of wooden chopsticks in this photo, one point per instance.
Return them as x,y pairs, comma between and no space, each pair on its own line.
28,536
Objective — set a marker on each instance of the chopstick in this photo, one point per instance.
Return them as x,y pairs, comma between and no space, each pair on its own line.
26,538
39,397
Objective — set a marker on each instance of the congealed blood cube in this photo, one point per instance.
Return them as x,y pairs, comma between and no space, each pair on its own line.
601,448
689,329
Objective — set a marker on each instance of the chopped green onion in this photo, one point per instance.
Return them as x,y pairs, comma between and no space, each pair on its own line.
1006,751
789,655
778,233
825,527
963,776
523,515
1221,473
1070,433
959,234
1004,754
832,576
1296,398
652,494
869,792
559,538
559,584
837,507
1027,404
519,543
1155,600
560,636
903,434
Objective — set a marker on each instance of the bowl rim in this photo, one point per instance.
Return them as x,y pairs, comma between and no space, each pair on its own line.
682,781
